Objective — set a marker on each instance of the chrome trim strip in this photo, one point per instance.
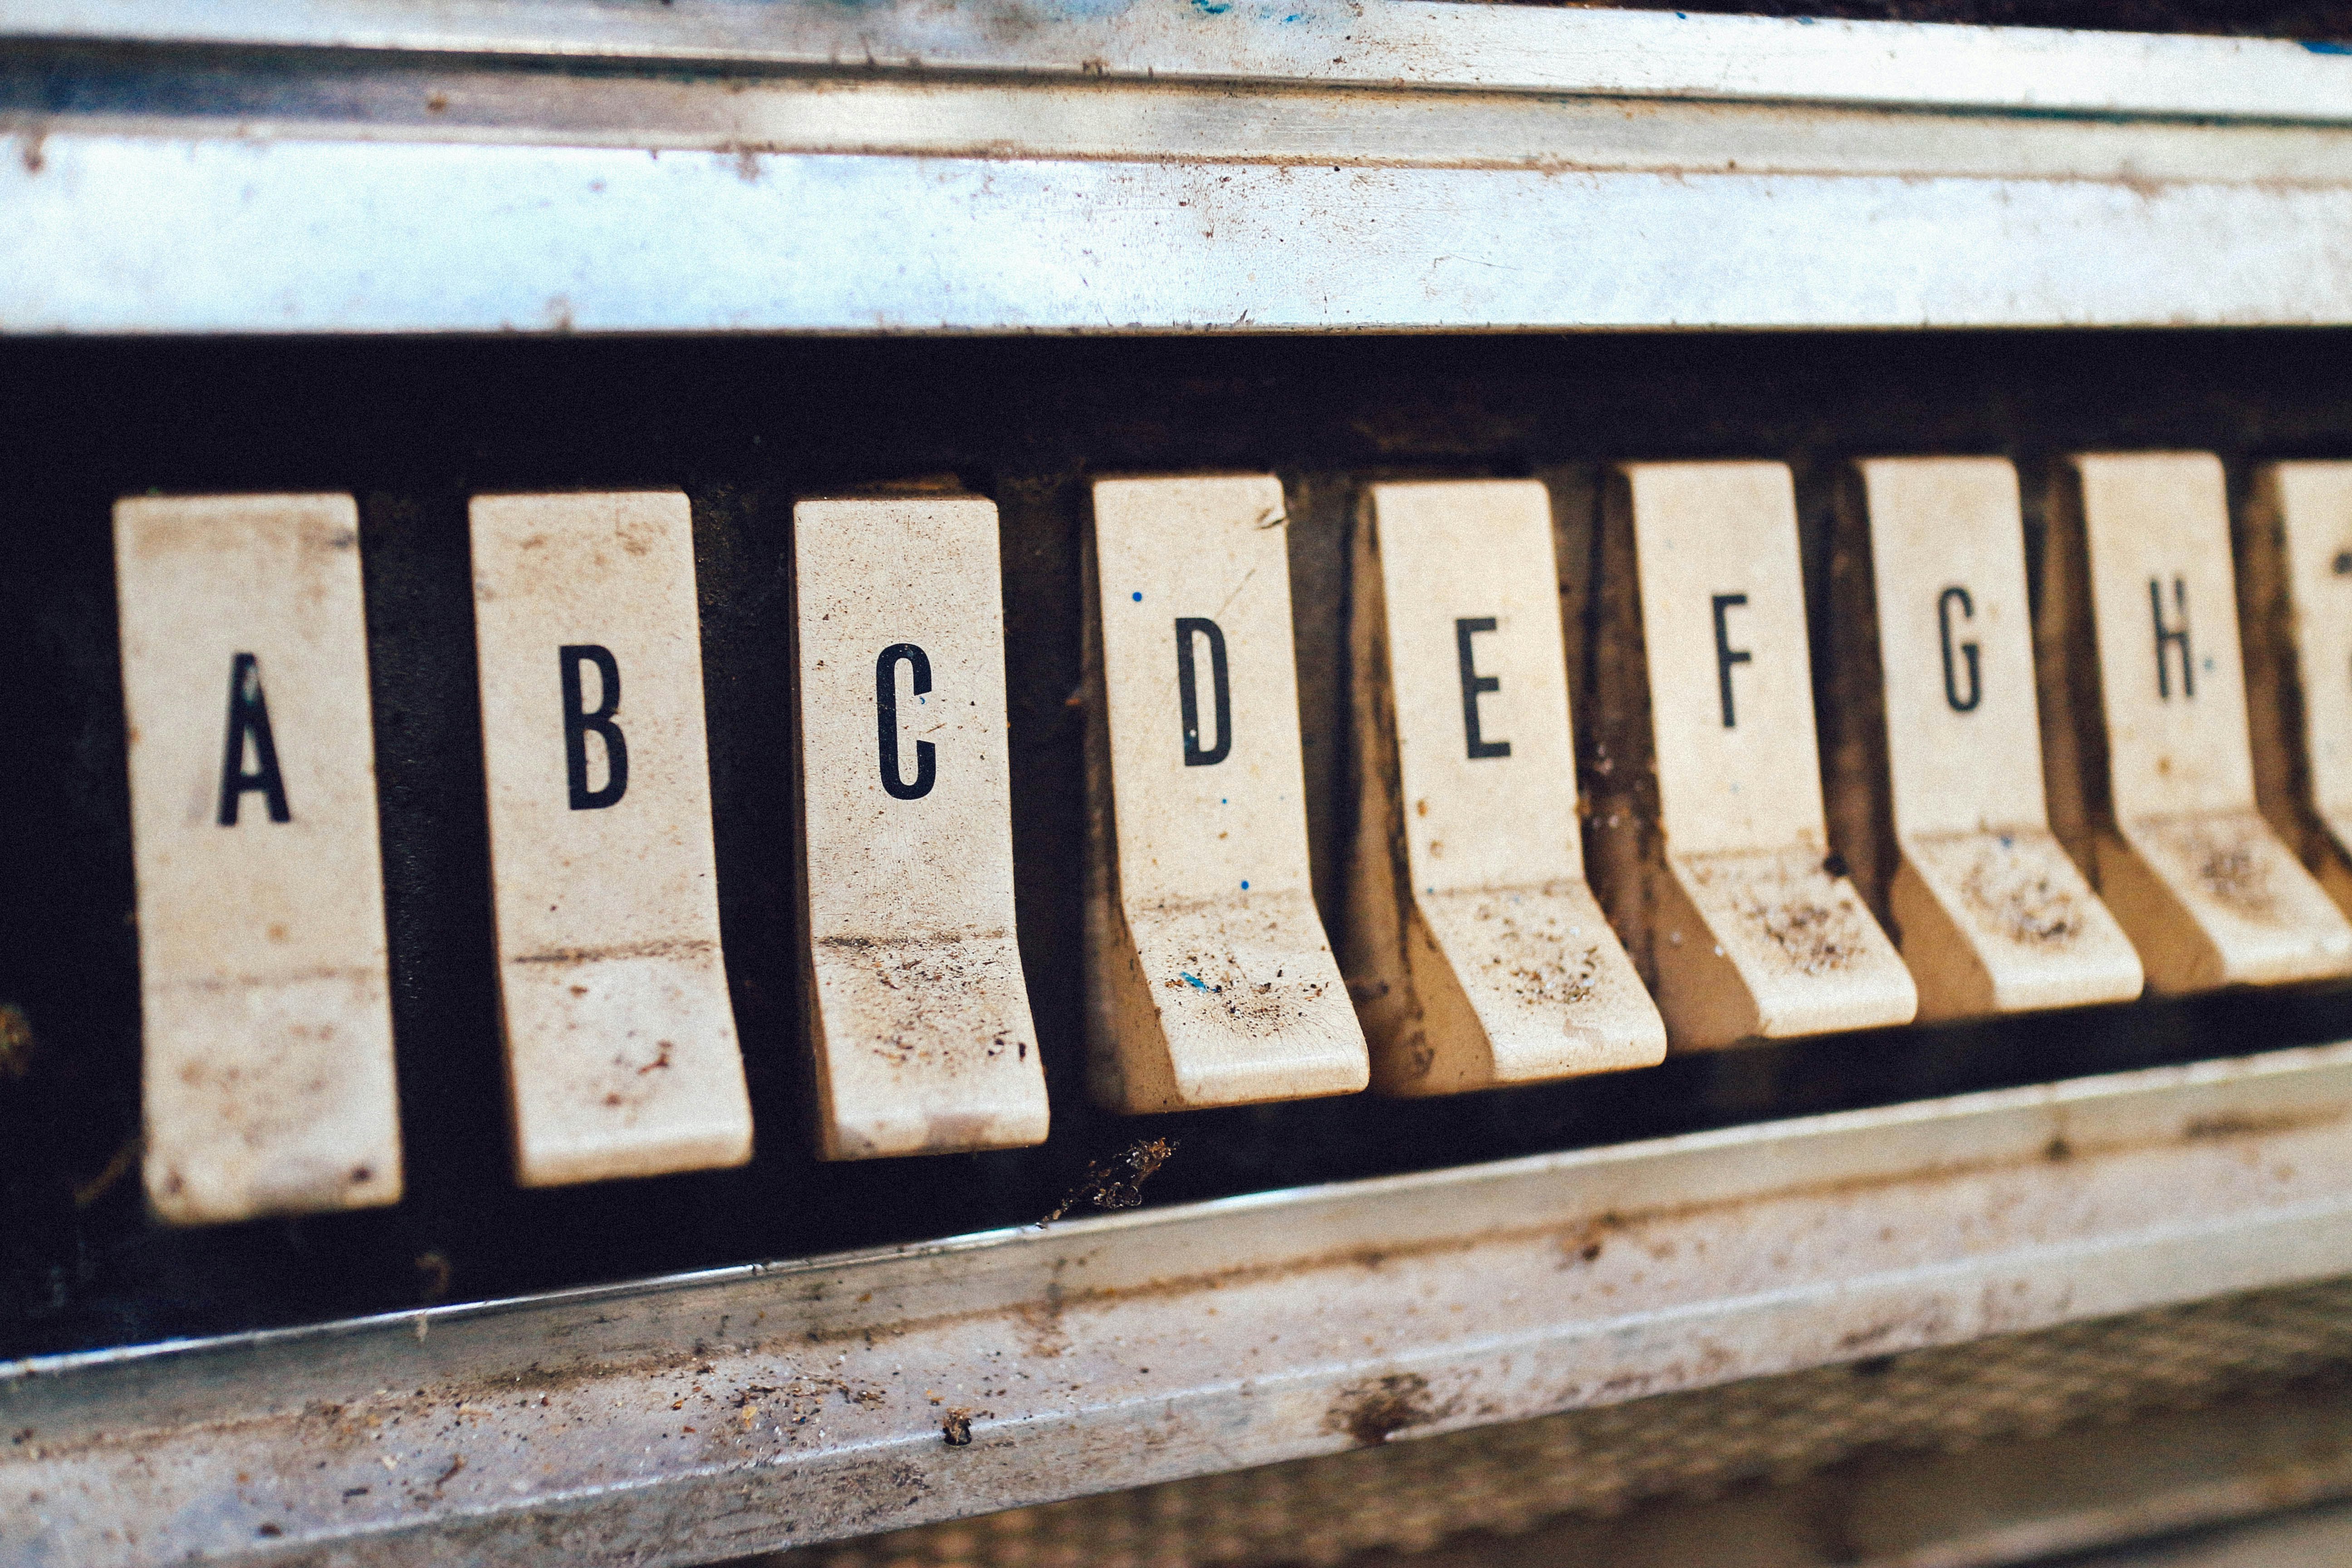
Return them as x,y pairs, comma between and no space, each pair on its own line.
745,1409
1433,43
136,234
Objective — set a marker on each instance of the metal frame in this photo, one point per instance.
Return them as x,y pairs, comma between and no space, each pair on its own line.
796,165
739,1410
1415,42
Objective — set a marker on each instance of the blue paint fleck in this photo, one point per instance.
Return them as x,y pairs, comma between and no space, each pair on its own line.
1139,596
1221,801
1244,884
1194,982
1210,8
2320,46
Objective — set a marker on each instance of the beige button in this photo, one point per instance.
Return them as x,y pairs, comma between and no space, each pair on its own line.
621,1050
264,987
1477,953
1731,904
1211,981
2299,658
917,1009
1990,914
2157,787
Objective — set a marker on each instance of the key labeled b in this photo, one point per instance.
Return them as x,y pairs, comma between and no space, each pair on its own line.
621,1047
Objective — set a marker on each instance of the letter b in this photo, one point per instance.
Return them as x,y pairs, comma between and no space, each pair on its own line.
578,721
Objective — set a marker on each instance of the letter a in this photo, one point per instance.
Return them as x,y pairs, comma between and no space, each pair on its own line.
248,714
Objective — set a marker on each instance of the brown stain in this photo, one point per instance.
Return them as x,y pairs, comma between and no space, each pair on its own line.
1538,960
2234,873
2021,904
1116,1182
666,948
1370,1413
2205,1129
18,1049
1793,902
1814,937
2229,860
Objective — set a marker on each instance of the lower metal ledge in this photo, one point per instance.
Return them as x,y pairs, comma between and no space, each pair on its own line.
735,1411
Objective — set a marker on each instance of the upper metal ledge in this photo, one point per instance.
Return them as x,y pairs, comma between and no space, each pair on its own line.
1415,43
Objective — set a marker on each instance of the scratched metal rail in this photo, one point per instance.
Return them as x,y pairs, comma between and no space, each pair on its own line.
684,1420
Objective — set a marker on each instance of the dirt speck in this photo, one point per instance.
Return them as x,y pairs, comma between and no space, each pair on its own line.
17,1044
1811,933
2028,909
1372,1412
957,1428
1116,1182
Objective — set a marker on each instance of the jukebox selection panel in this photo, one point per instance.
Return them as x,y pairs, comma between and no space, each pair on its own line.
1617,794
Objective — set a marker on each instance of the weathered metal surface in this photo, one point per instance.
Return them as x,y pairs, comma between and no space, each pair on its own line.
1376,42
284,95
693,1418
351,166
130,234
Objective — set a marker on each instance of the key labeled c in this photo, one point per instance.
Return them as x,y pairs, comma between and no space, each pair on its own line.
886,721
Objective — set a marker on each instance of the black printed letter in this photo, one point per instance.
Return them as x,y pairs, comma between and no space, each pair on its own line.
1473,684
1187,690
248,714
578,721
1943,603
2168,636
1725,656
886,721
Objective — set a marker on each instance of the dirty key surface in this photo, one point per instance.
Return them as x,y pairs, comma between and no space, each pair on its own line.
262,979
918,1010
1752,930
1211,982
620,1040
1477,952
2208,894
2304,512
1992,915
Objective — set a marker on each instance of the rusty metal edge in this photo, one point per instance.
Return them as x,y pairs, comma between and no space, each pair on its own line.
819,1387
124,234
2303,1077
1469,47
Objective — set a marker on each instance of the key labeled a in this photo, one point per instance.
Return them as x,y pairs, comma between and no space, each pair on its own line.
620,1038
265,988
2145,704
914,998
1938,801
1731,903
1477,953
1210,979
